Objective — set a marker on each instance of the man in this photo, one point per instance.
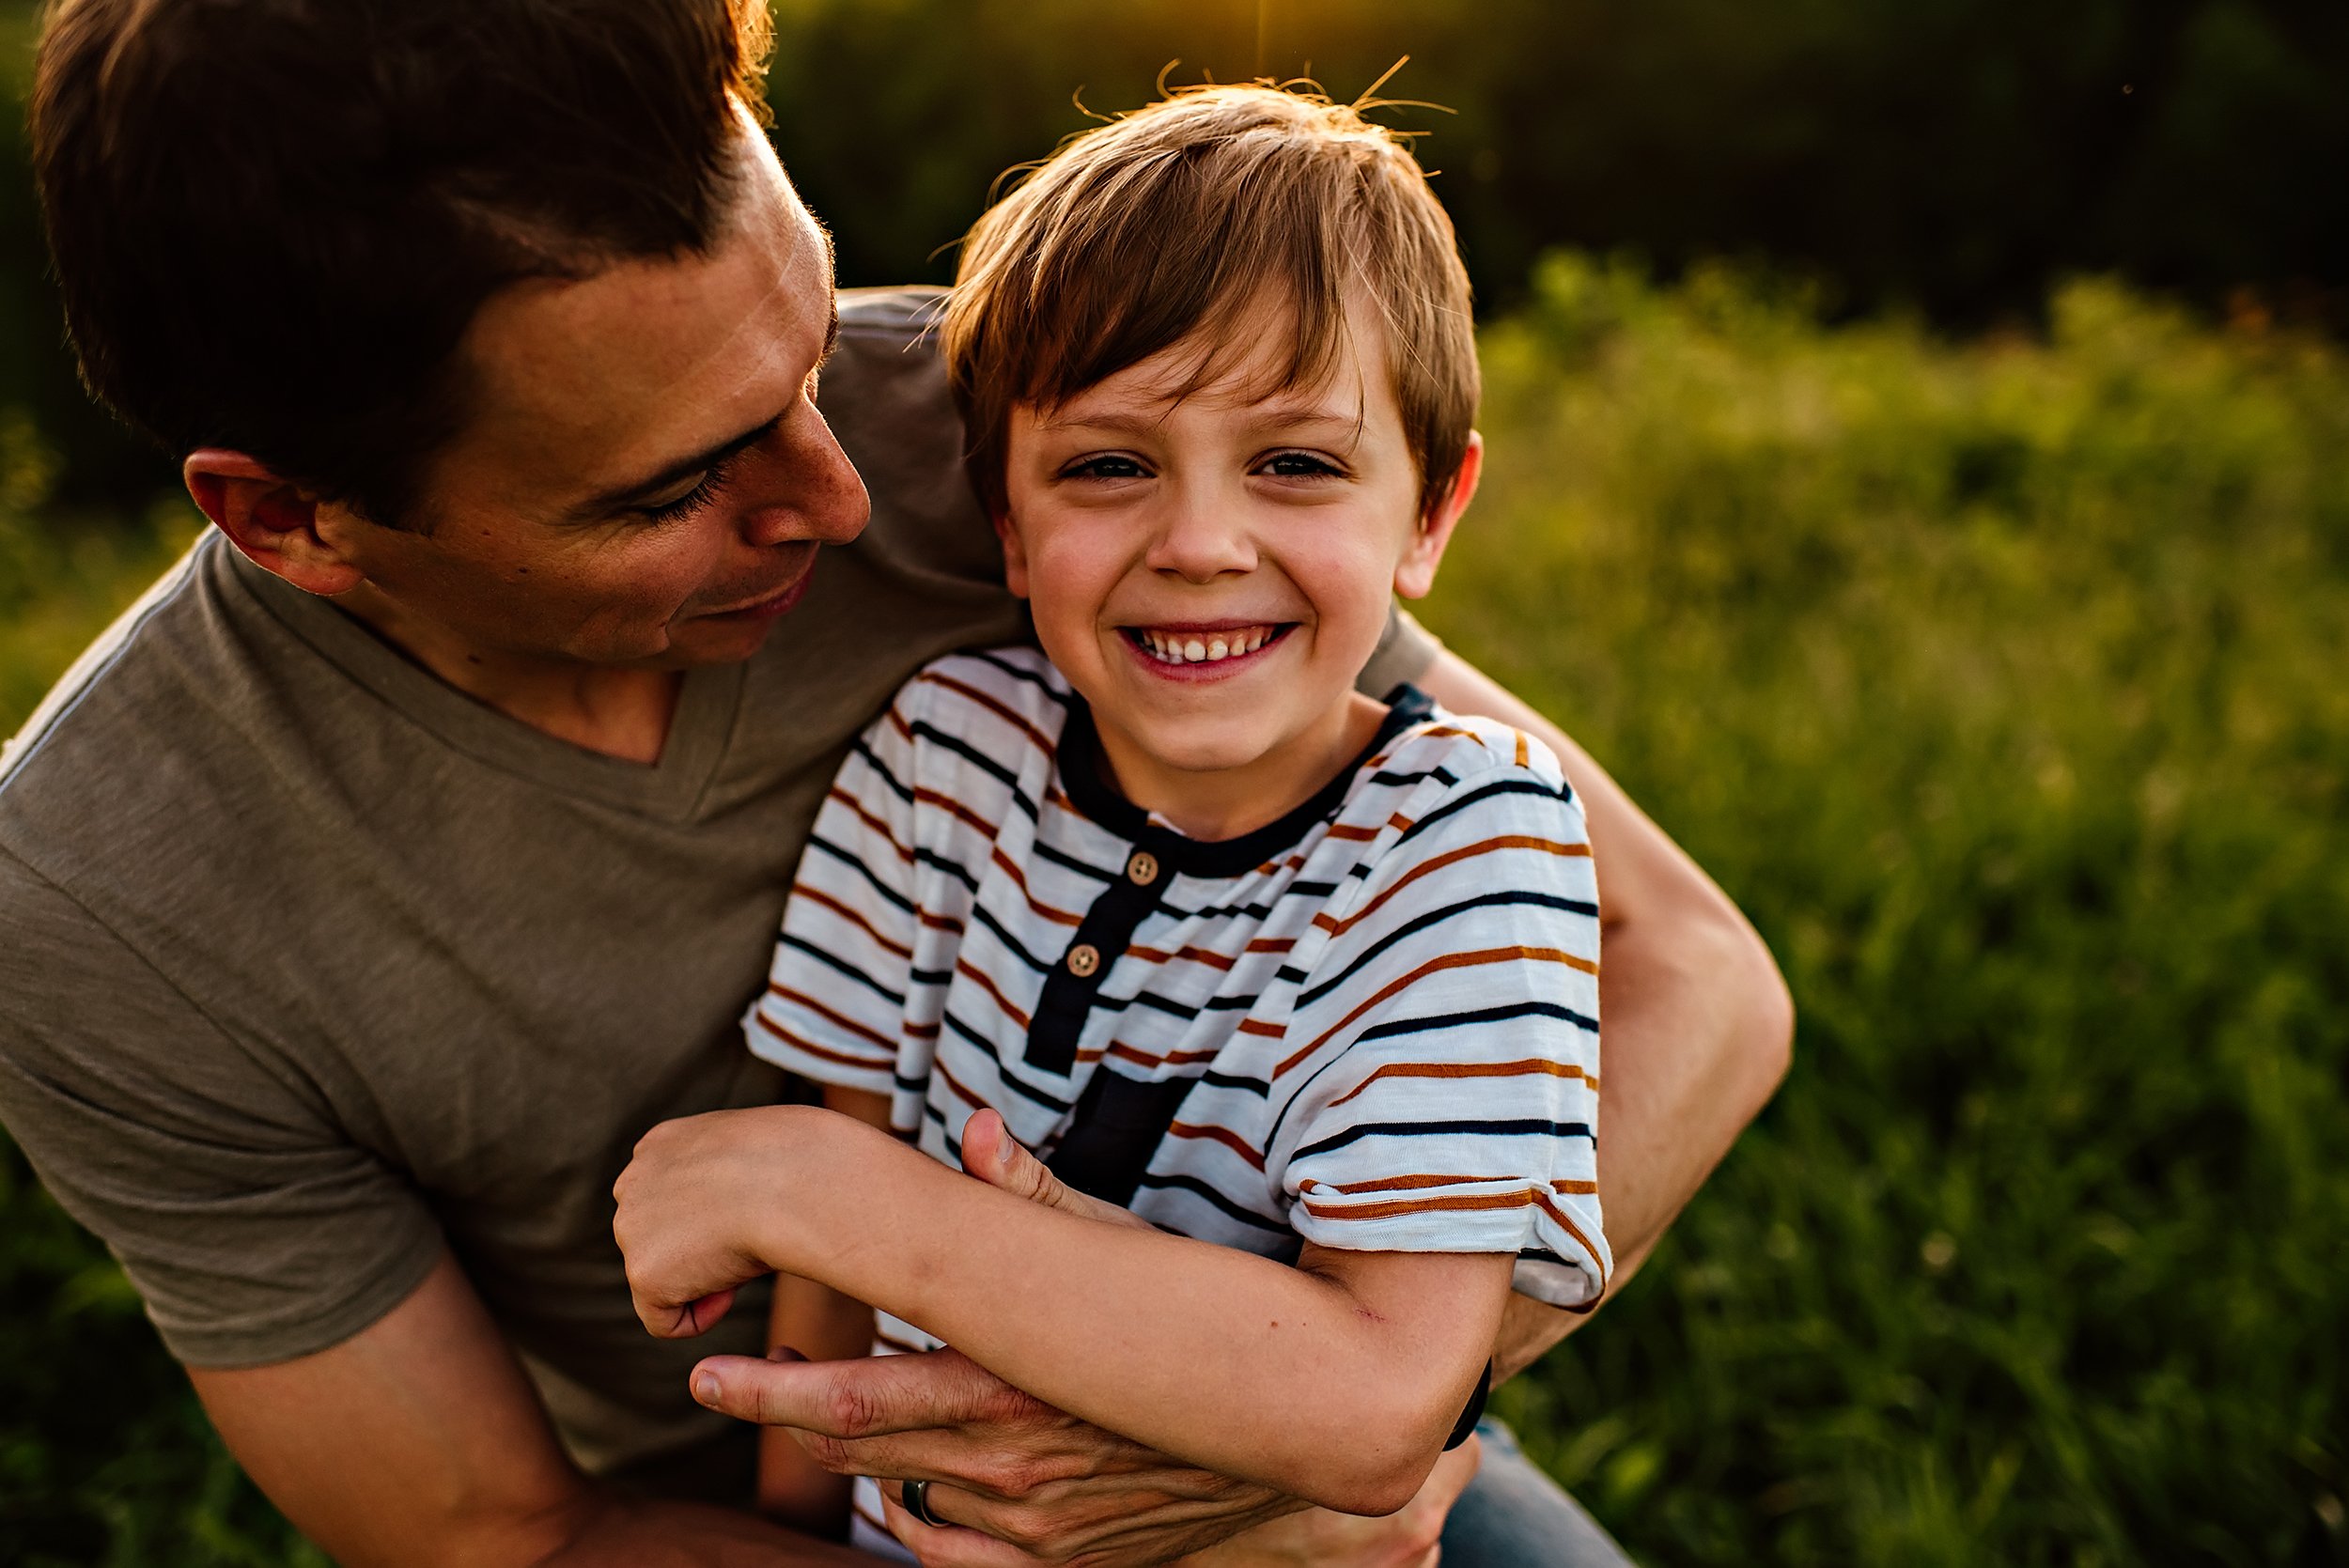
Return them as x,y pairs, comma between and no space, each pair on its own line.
540,608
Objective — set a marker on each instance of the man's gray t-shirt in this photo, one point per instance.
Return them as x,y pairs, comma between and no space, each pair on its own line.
314,966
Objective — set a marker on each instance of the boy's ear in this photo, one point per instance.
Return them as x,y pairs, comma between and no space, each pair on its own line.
1416,572
1015,553
272,519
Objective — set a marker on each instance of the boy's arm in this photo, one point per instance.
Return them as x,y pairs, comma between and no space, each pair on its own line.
814,1323
1698,1024
1335,1381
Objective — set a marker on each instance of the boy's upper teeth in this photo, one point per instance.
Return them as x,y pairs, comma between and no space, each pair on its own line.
1201,648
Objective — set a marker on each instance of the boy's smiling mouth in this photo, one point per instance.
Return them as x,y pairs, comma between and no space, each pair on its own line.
1221,643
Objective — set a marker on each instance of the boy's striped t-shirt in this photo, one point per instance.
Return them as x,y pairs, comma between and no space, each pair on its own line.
1377,1017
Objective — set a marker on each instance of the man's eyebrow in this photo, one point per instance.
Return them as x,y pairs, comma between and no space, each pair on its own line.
638,492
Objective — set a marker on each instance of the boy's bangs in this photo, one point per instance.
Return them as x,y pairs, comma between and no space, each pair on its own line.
1253,280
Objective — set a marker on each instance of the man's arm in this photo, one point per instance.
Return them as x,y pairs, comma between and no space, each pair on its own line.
1697,1023
419,1441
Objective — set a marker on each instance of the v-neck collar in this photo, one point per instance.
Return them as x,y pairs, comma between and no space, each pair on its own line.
707,701
1085,782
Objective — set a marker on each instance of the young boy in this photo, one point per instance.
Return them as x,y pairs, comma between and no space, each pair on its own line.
1305,978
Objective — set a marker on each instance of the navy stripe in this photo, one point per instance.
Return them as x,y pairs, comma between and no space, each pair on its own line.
1440,1129
1197,1188
895,998
1516,784
1031,677
856,864
1521,898
889,779
1396,1028
1048,1101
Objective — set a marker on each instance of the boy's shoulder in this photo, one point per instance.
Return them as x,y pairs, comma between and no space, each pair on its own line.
1455,751
1448,786
1014,685
973,723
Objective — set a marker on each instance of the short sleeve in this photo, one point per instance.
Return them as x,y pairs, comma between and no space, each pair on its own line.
1450,1037
254,1229
834,1004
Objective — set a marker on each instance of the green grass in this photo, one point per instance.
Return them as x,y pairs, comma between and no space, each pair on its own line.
1998,681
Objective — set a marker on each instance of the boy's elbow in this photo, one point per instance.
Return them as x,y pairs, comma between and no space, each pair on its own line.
1375,1479
1371,1490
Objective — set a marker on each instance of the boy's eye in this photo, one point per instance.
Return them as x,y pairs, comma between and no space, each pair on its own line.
1109,465
1298,465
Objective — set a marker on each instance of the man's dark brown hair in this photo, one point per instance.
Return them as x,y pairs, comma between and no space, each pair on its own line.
274,219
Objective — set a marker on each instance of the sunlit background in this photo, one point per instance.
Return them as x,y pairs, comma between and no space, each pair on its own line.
1918,471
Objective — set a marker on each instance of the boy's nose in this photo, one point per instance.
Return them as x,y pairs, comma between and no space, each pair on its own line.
1201,539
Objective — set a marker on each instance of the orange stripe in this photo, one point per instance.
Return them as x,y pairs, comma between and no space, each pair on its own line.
1549,1206
1271,945
964,967
1401,1184
1449,961
1019,880
1507,841
1224,1135
813,1050
1454,1202
985,701
836,1019
1269,1031
853,917
1196,954
955,809
938,1069
875,823
1349,833
1529,1067
1144,1059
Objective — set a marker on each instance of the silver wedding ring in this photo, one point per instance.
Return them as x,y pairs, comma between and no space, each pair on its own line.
916,1501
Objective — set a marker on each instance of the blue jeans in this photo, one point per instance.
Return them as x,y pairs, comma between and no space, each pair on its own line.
1514,1516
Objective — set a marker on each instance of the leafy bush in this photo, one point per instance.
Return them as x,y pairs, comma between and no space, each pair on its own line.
2001,684
1997,680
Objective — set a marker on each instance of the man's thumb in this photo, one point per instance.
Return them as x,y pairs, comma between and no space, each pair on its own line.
992,1153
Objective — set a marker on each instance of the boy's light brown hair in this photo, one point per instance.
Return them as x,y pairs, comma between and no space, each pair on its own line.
1194,215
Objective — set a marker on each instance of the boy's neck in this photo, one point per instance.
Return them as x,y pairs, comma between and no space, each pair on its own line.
1215,804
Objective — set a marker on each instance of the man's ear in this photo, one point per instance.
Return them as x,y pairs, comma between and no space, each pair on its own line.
268,518
1416,572
1015,553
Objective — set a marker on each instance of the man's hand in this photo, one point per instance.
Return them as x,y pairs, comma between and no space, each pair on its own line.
1018,1483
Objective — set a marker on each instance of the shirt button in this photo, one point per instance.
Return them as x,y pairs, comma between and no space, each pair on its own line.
1083,959
1142,869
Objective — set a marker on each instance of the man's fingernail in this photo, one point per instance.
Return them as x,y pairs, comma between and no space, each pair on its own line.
705,1387
1004,1151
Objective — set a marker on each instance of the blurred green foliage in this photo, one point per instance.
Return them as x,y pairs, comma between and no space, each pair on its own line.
1953,156
1999,680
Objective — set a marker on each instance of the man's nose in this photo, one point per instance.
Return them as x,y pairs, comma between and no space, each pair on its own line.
1201,536
812,490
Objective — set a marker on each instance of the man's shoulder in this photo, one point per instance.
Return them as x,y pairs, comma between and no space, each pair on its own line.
140,749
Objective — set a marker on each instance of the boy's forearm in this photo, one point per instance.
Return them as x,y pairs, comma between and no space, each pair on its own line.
1227,1360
